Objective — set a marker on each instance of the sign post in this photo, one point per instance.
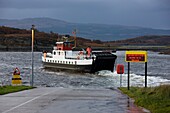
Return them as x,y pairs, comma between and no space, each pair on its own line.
16,78
136,56
128,75
145,74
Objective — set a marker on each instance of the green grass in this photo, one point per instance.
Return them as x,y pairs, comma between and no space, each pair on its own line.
155,99
11,89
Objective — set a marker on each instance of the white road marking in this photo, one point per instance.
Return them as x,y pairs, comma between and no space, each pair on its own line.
27,102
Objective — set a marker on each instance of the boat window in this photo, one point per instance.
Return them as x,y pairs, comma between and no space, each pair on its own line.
58,61
69,62
66,62
75,62
58,53
63,62
54,53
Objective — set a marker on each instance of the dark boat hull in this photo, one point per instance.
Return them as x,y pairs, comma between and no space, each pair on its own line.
103,61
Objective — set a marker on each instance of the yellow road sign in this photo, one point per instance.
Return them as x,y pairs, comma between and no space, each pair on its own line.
16,80
136,56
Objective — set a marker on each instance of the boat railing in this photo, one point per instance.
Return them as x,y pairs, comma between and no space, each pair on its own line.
55,48
77,56
49,55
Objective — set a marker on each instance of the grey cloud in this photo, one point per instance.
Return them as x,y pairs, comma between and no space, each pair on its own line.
153,13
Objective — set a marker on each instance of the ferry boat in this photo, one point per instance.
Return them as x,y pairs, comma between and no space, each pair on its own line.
65,57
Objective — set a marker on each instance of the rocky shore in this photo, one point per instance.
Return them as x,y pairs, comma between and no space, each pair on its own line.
165,52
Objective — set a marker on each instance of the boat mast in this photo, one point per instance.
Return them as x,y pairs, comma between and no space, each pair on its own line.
74,33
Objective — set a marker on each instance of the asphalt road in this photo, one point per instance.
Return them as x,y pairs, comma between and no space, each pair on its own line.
66,100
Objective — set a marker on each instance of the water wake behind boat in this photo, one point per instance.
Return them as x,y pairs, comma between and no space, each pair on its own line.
135,80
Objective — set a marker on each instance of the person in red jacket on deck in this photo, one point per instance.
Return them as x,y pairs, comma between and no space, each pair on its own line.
88,51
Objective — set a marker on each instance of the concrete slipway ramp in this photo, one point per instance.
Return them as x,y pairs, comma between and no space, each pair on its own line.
67,100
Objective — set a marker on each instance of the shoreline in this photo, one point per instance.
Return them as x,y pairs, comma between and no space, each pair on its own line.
155,99
165,51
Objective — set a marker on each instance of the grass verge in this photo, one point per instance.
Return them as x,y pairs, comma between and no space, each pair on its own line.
155,99
11,89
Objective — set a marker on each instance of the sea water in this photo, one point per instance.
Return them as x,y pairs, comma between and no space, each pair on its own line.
158,72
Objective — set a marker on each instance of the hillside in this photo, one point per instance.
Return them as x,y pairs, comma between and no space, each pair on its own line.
90,31
159,44
14,39
153,40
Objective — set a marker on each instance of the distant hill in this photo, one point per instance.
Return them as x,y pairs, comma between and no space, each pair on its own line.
15,39
145,41
101,32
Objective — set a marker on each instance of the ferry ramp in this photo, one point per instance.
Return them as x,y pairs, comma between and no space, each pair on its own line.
67,100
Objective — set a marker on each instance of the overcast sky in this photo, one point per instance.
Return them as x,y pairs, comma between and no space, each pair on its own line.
145,13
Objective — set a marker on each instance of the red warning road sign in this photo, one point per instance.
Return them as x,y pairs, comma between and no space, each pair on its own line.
136,56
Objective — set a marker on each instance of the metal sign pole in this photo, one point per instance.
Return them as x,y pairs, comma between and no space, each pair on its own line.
120,80
145,74
32,58
128,74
